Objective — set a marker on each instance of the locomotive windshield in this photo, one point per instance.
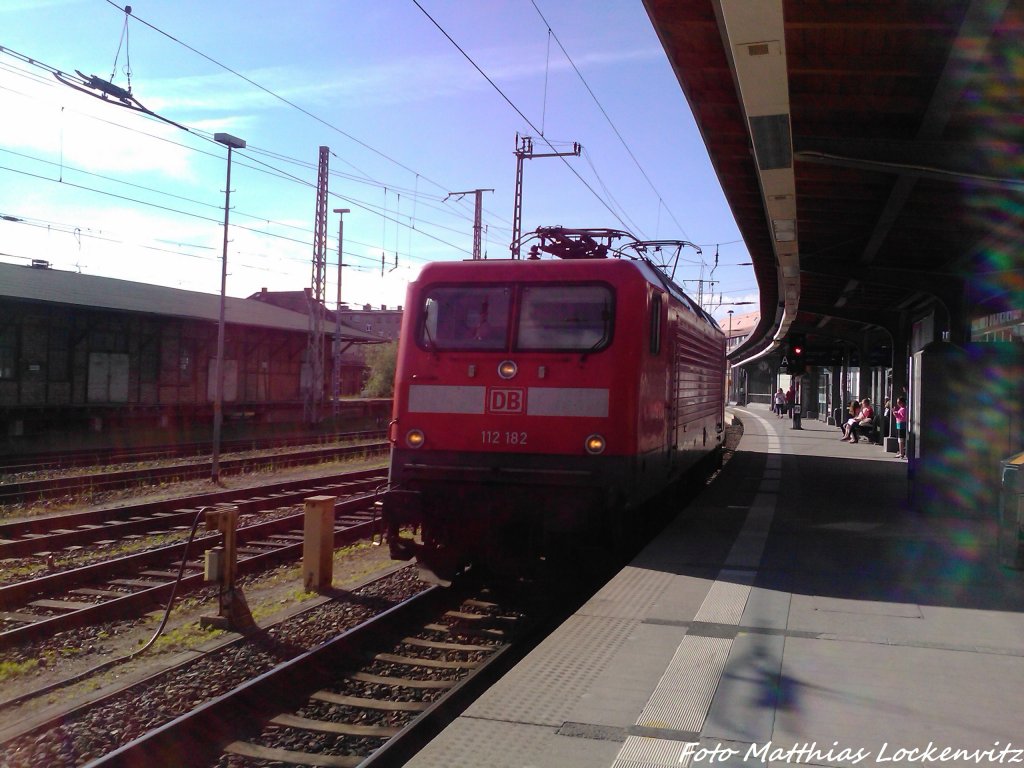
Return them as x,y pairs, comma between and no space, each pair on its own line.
466,317
562,318
565,317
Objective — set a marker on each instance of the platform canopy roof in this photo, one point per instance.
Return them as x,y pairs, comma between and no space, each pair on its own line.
872,154
53,286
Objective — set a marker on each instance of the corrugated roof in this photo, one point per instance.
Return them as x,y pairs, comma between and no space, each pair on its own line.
60,287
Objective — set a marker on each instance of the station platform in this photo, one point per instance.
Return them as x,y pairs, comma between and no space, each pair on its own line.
797,612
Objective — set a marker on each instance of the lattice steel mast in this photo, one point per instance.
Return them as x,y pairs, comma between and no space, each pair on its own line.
477,218
315,351
524,151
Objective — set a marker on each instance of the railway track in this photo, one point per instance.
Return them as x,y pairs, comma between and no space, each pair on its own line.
27,491
363,680
48,460
41,536
371,696
127,585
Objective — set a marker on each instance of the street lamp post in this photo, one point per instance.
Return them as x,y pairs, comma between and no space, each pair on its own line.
336,359
231,142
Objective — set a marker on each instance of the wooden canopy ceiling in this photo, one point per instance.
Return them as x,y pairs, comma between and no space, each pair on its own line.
872,154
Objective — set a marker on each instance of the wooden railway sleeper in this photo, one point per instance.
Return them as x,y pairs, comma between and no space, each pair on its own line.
297,756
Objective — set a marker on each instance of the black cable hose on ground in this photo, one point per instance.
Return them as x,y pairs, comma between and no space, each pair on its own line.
122,659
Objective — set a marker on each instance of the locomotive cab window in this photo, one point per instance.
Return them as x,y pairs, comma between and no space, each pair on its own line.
565,317
465,317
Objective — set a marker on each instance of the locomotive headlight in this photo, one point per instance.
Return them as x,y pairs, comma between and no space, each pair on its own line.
414,438
507,369
594,444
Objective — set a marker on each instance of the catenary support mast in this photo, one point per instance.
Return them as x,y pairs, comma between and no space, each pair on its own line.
524,151
315,352
477,218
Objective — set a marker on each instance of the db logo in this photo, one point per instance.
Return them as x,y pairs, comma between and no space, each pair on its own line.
506,401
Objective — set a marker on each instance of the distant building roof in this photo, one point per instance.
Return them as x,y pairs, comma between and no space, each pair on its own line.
368,309
298,301
741,325
60,287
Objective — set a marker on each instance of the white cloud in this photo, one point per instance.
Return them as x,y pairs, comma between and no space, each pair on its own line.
740,304
399,81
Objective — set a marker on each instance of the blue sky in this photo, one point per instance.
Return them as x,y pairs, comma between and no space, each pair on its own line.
407,117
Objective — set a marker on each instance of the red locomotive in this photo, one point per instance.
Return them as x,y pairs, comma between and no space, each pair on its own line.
538,401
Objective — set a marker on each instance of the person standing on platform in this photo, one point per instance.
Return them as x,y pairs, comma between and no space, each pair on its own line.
790,398
779,403
900,414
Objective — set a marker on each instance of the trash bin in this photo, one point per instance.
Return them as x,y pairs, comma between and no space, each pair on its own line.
1011,512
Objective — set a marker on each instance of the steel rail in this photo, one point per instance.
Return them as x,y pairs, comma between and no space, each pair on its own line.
54,532
132,603
54,719
44,460
203,733
40,490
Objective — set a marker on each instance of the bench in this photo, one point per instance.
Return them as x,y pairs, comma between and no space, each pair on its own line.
873,432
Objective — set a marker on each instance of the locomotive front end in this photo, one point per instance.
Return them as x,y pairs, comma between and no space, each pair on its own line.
504,431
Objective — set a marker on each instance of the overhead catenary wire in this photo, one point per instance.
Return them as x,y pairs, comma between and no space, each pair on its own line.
93,86
424,201
590,91
127,53
551,34
590,162
518,111
279,97
385,216
351,200
306,243
382,154
206,135
363,177
416,194
64,167
367,146
265,167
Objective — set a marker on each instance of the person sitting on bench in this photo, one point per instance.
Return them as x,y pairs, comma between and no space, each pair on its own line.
852,416
863,421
